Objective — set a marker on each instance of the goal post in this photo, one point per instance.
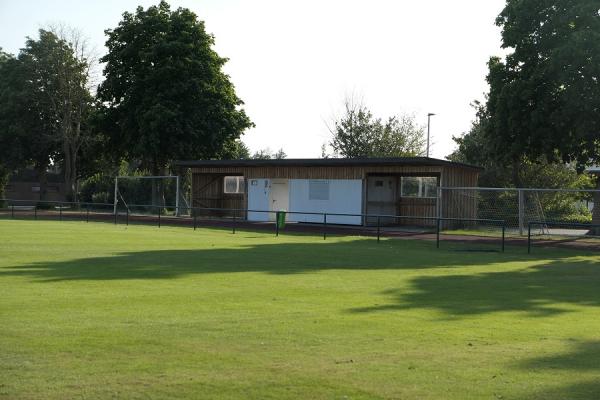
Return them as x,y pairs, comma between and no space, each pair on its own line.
118,194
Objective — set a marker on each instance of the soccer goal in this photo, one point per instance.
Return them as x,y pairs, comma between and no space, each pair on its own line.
148,194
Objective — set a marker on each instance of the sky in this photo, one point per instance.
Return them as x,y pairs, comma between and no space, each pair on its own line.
293,62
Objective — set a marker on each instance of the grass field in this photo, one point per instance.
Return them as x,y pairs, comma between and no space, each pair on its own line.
102,311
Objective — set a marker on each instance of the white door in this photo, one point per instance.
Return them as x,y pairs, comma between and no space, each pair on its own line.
258,199
280,196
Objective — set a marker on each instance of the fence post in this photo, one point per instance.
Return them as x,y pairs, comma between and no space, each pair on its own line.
195,218
521,212
437,233
324,226
60,211
116,214
529,239
378,228
233,228
35,211
87,216
159,217
12,211
503,235
277,223
127,216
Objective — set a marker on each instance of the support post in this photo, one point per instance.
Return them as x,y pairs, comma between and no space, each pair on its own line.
116,190
116,214
437,233
60,211
177,197
127,216
324,226
503,236
439,202
529,239
521,212
378,228
35,211
277,223
158,216
195,218
233,228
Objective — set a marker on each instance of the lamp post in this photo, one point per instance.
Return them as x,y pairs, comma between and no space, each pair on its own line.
428,130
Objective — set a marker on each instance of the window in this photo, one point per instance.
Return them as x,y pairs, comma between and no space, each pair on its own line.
234,184
318,190
418,186
35,189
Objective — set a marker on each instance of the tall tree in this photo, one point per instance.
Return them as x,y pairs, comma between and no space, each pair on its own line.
165,94
358,134
544,97
27,127
70,65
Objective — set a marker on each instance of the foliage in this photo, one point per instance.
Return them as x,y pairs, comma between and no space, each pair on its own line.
267,154
28,134
235,150
164,92
544,98
475,148
44,108
358,134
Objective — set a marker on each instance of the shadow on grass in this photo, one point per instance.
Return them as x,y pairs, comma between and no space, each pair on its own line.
535,290
275,258
584,357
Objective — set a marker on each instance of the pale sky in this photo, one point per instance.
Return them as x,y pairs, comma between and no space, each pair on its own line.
293,62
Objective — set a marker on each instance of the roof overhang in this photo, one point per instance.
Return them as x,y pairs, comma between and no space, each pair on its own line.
325,162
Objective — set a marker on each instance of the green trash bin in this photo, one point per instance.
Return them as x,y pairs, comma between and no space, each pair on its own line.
280,219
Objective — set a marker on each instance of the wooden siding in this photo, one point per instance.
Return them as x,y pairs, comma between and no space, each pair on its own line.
208,192
454,204
207,186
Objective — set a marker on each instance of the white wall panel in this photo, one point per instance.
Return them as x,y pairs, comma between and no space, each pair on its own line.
345,197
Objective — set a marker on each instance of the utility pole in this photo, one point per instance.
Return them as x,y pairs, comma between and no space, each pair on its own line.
428,130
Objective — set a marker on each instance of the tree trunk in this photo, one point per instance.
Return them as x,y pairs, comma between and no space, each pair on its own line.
42,175
68,171
516,173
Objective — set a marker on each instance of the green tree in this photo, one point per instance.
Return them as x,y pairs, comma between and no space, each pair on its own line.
235,150
165,94
27,127
267,154
544,97
358,134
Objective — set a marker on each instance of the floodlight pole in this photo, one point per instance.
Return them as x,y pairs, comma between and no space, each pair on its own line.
428,130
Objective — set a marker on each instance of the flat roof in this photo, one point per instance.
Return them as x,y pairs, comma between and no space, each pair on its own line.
325,162
593,170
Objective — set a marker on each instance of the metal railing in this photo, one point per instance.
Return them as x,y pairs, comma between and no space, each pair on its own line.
236,216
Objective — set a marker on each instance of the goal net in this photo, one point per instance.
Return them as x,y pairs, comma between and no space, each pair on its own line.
149,195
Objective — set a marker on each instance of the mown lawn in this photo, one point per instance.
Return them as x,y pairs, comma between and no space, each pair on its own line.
102,311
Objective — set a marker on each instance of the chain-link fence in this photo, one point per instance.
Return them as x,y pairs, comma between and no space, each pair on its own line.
519,207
